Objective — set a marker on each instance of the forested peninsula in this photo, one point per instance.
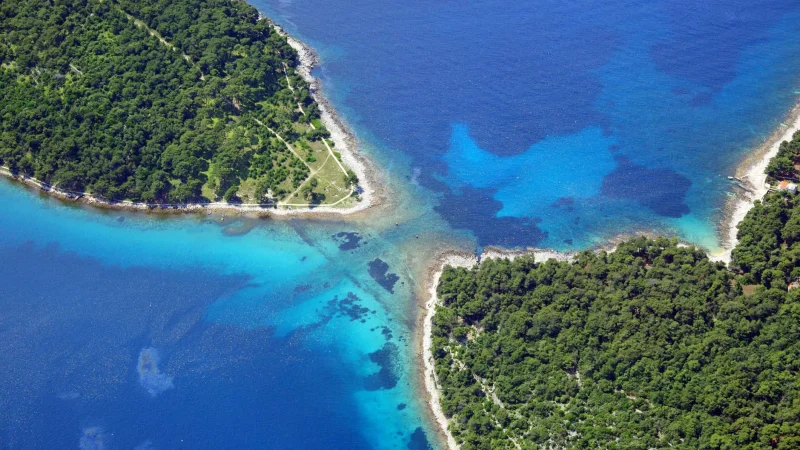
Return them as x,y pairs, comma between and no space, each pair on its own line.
652,346
161,101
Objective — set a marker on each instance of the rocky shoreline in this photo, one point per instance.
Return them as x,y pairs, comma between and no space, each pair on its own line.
430,383
455,258
751,173
257,210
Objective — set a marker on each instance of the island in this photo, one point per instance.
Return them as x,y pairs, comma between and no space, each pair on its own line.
154,102
651,345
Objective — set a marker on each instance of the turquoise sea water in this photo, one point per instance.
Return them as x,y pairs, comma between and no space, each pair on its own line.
549,124
191,332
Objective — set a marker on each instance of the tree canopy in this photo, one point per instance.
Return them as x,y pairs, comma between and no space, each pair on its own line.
782,165
150,100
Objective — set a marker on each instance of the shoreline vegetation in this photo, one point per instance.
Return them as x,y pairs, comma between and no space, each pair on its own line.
467,260
747,261
363,193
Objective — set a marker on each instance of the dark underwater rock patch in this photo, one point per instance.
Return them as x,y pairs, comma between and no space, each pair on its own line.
387,376
379,271
349,306
347,240
568,203
476,210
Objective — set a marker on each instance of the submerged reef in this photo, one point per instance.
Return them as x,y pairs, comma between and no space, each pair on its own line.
379,271
92,438
150,376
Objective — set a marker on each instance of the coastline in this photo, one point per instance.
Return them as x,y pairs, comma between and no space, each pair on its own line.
345,141
751,171
456,258
539,253
461,258
751,174
371,192
85,198
430,383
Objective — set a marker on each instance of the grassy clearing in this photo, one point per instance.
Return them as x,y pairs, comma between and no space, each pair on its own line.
331,181
246,191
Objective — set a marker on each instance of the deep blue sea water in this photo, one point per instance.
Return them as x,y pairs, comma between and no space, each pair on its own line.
613,116
551,124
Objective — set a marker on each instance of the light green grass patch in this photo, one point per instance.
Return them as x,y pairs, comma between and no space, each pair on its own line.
247,190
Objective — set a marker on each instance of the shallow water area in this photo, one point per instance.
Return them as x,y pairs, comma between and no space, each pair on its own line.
560,125
126,329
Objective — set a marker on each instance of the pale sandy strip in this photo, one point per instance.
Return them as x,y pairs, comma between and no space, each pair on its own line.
346,143
431,383
304,210
459,259
752,171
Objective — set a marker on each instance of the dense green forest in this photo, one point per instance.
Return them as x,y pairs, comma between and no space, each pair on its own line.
153,100
652,346
782,166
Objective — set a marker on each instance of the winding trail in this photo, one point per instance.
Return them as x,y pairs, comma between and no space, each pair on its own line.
330,151
311,170
325,141
291,149
288,81
140,23
310,176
